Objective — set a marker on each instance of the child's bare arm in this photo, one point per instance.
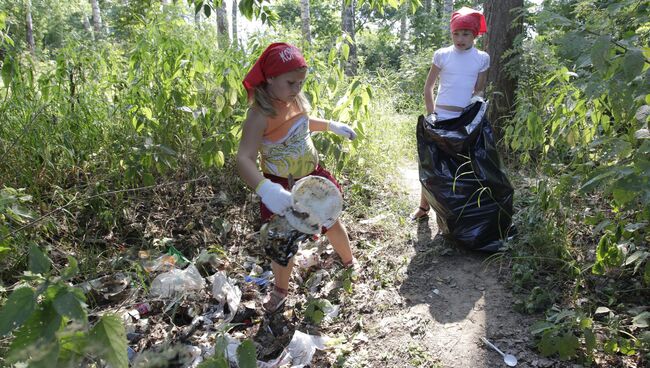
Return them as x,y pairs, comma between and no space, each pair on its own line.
249,144
317,125
429,101
479,87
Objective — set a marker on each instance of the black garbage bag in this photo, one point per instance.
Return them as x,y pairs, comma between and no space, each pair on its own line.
464,179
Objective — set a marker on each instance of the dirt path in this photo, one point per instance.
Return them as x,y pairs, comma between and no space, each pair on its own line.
443,301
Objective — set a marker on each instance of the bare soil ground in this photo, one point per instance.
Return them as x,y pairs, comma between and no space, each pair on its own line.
443,300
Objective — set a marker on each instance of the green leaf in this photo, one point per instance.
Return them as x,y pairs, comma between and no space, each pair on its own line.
39,330
67,305
17,309
216,361
38,261
108,340
633,64
642,320
247,355
72,269
600,53
590,340
568,346
646,274
602,310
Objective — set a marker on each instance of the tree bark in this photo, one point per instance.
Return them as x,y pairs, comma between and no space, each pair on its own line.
427,6
222,23
448,8
235,40
402,24
166,2
504,24
305,19
29,27
347,26
97,18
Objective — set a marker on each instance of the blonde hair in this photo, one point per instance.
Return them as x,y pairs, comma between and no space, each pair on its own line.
263,101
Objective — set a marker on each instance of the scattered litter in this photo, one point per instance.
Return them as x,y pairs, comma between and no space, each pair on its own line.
262,280
107,289
307,258
177,281
373,220
224,290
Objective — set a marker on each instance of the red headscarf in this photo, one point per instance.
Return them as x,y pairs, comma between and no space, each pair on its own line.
468,18
278,58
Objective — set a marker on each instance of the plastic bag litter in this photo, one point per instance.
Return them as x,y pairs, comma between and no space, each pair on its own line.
225,291
464,179
176,281
300,351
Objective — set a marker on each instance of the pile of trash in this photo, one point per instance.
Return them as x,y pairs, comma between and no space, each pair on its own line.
175,309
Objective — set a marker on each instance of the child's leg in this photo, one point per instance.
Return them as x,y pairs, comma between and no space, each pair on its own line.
338,237
424,205
274,301
282,274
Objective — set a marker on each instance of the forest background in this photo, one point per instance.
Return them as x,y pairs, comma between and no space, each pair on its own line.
103,103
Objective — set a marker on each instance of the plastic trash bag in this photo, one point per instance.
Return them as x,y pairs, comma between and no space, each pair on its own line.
176,281
464,179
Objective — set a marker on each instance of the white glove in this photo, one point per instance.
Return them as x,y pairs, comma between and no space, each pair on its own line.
476,98
341,129
431,118
274,196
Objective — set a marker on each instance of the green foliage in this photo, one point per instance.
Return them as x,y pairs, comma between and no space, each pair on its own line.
581,119
38,319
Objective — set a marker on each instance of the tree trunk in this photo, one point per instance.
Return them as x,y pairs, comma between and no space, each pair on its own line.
504,24
305,21
235,40
166,2
402,24
347,26
427,6
97,18
29,28
222,23
448,8
86,23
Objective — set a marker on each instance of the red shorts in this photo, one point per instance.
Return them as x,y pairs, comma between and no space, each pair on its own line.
266,214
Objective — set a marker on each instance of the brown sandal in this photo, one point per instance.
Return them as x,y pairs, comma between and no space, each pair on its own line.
425,214
274,301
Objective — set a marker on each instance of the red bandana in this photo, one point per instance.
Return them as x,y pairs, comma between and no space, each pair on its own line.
278,58
468,18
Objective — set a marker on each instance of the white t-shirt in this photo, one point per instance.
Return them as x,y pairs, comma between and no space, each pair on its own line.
458,73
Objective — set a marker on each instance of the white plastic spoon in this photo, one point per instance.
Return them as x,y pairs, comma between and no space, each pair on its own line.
509,359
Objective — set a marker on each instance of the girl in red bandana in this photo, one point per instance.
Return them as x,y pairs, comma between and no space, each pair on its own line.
461,70
277,128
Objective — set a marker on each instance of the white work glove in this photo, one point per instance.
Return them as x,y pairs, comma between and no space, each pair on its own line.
341,129
274,196
476,98
431,118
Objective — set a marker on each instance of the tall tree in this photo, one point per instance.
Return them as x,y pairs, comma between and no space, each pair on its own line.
305,21
29,27
166,2
347,26
97,18
403,24
235,40
427,6
504,24
222,21
447,8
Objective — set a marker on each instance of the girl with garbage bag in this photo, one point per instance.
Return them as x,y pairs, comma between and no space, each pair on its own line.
462,72
278,127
